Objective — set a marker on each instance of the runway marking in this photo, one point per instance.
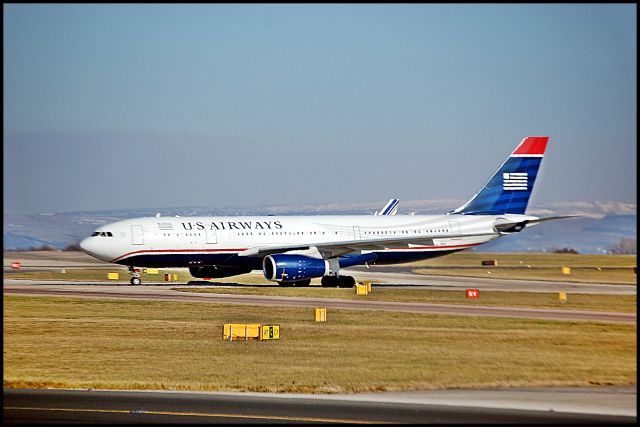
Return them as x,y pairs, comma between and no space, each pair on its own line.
200,414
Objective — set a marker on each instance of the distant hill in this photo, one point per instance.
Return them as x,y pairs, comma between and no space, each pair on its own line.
603,224
586,235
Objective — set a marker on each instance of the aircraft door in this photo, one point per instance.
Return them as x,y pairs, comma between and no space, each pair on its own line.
212,237
137,235
356,233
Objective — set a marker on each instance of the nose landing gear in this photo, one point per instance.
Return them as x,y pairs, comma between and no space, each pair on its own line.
135,275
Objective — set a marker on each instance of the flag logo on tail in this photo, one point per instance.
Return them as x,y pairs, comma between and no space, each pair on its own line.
515,180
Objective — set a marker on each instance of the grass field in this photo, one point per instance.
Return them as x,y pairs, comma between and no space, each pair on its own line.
535,259
620,303
80,343
613,269
95,275
619,276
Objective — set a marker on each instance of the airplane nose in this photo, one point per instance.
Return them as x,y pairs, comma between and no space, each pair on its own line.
84,244
90,246
96,248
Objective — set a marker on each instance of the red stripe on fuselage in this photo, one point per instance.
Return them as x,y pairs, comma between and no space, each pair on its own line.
177,251
240,250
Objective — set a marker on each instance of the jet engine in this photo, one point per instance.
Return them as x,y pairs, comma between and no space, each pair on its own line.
292,268
216,272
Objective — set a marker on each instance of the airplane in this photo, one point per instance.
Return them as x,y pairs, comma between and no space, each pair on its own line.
391,208
292,250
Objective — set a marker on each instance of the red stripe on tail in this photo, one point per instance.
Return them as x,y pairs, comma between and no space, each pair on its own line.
533,145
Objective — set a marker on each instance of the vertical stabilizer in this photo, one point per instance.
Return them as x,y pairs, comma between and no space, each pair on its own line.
391,208
509,189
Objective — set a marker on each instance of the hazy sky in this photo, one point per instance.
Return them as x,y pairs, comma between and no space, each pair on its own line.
133,106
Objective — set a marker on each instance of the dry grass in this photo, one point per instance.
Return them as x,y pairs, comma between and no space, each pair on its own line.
613,269
94,275
535,259
596,302
578,275
66,342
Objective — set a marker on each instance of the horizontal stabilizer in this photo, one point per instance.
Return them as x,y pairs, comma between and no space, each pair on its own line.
506,227
553,218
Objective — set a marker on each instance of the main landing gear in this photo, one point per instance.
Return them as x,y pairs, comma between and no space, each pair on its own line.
135,275
338,281
327,282
299,283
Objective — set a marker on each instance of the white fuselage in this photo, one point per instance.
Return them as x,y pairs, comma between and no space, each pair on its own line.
135,241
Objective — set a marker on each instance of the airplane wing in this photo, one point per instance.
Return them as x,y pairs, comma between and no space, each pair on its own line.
334,249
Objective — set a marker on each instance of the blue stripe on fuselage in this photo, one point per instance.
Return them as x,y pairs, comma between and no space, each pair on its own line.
180,260
399,257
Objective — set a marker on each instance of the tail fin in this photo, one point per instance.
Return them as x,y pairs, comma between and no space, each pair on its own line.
509,189
391,208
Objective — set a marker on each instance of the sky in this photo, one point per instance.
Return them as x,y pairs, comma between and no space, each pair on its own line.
126,106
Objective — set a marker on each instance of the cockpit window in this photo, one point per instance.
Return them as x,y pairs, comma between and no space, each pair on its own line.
102,234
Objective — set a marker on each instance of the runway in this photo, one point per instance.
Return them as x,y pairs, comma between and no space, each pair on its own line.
612,405
407,280
165,293
399,280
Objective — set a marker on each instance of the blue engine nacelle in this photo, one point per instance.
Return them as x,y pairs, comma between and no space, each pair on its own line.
291,268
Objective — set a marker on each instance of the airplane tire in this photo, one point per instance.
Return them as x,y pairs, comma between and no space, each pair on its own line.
136,281
285,284
346,282
303,282
329,281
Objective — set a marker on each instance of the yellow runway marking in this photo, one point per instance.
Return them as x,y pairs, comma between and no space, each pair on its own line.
200,414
